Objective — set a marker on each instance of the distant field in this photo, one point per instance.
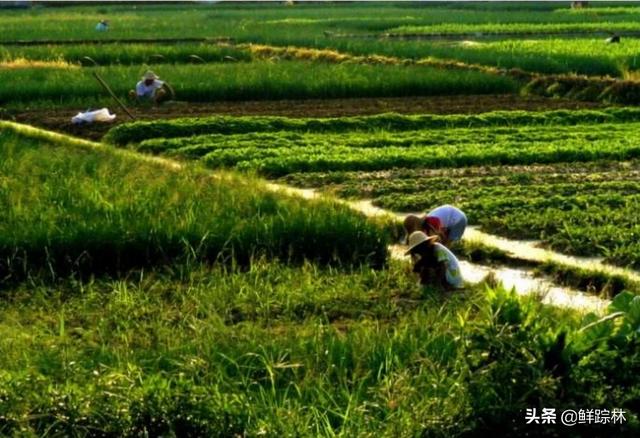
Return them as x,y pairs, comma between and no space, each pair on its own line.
285,22
305,25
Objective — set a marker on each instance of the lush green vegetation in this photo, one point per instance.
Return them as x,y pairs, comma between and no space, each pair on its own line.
571,214
302,351
140,131
141,297
127,54
283,153
584,210
587,55
66,209
279,23
258,80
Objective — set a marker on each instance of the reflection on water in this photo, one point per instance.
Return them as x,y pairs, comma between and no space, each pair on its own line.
524,284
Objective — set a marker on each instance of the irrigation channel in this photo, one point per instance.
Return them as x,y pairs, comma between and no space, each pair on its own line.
520,279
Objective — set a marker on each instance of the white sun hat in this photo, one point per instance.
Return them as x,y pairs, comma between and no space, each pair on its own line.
150,75
418,238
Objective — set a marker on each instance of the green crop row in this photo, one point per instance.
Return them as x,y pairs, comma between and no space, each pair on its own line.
90,211
514,28
127,54
260,80
589,56
140,131
281,154
197,146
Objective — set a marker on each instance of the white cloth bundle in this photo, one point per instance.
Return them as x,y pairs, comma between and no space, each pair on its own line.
101,115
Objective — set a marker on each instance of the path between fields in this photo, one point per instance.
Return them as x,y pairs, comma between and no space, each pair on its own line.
521,280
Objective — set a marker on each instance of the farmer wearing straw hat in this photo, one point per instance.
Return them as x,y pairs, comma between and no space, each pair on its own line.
434,262
151,88
446,222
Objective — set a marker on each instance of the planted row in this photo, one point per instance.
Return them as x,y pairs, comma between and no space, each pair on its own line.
275,156
139,131
126,54
258,80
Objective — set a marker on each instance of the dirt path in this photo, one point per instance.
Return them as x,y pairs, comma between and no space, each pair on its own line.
59,119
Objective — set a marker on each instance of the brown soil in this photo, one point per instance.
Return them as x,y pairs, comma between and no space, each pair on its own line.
60,119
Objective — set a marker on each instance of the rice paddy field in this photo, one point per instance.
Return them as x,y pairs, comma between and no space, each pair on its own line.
230,262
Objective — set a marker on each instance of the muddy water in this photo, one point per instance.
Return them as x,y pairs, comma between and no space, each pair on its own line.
524,283
529,250
521,280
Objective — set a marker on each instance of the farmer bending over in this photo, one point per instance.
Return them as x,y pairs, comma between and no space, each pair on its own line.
102,26
447,222
151,88
433,262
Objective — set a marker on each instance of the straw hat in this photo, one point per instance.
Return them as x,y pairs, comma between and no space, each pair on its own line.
417,238
150,75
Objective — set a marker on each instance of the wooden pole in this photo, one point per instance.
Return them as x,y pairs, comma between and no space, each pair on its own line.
106,87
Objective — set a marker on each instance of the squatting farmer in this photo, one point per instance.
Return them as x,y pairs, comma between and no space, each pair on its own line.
102,26
447,222
151,88
433,262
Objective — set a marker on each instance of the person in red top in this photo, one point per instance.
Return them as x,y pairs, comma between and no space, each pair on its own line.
447,222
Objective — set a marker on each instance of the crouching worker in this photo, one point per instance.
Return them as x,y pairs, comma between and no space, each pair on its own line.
152,89
447,222
433,262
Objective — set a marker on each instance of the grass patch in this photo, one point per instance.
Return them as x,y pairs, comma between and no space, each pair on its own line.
364,352
66,209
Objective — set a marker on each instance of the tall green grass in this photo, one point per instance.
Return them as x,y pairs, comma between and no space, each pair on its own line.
66,209
127,54
275,21
302,351
260,80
